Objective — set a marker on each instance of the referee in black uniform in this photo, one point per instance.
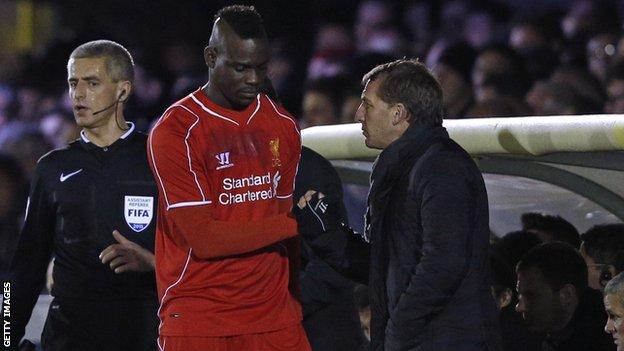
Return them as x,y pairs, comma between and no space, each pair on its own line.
92,207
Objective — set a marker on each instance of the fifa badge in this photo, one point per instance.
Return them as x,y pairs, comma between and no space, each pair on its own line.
138,211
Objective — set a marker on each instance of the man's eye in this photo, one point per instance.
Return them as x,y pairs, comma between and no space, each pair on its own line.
93,84
72,84
239,68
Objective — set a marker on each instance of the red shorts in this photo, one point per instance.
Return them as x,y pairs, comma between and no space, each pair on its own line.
289,339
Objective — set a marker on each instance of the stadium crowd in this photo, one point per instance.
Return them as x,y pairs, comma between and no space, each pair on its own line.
491,61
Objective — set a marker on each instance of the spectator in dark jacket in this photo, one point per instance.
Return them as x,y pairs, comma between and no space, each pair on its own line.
427,222
554,299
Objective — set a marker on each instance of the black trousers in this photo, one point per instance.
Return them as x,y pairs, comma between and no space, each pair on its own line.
101,326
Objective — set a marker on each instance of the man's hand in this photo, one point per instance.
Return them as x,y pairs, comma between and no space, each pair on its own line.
127,256
315,215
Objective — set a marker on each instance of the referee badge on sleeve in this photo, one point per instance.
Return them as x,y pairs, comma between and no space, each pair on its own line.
138,211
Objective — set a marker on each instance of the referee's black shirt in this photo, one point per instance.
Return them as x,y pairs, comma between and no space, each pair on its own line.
78,196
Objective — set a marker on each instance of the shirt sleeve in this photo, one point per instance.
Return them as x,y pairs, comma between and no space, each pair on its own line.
175,161
34,251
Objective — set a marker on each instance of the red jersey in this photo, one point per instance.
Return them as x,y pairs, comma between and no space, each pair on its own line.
238,166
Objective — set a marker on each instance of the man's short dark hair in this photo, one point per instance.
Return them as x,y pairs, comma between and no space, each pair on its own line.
556,226
604,242
409,82
119,62
559,264
514,245
244,20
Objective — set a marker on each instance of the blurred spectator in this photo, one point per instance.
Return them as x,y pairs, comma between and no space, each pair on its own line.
550,98
498,60
13,194
452,18
452,68
331,49
615,90
350,102
373,17
480,28
284,73
418,18
25,143
554,299
148,93
536,40
322,101
551,228
602,249
503,85
601,50
498,107
588,89
514,245
584,19
58,128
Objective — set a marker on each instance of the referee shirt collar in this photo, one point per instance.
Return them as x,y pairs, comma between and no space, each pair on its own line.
85,140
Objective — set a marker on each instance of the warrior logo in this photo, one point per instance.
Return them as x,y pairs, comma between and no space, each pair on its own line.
224,160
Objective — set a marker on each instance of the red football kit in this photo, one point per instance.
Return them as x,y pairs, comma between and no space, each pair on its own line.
225,182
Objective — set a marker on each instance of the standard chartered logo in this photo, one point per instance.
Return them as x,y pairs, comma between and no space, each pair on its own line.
249,189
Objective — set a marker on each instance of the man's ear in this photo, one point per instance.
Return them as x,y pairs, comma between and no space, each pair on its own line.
567,294
607,273
124,89
210,56
400,114
505,298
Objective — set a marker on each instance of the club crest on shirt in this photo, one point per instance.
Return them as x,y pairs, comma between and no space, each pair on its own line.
274,147
138,211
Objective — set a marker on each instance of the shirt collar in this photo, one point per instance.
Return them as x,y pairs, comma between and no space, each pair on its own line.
84,138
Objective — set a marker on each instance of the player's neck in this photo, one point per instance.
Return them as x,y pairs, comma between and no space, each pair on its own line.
107,133
213,93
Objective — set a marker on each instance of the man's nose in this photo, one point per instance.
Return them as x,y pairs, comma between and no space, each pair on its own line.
359,114
78,92
520,306
609,327
254,77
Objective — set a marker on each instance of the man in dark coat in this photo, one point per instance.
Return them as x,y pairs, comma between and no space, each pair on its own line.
330,316
554,299
427,222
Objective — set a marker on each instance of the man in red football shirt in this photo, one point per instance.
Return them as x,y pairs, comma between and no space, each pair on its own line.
225,158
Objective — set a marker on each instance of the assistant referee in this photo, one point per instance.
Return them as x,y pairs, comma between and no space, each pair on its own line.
92,207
